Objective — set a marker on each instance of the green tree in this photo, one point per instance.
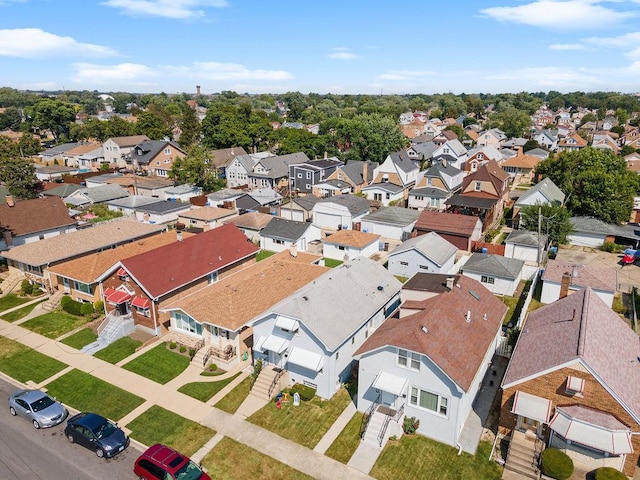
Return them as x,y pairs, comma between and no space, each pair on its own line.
10,119
530,145
52,115
194,168
457,129
513,122
29,145
554,221
151,124
17,173
596,182
369,137
189,127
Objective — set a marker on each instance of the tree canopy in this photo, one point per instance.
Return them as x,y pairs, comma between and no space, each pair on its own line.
554,221
16,172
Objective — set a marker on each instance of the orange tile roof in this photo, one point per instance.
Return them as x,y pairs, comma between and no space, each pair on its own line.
237,299
352,238
523,161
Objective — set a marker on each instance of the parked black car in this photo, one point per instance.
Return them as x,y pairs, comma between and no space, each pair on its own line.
96,433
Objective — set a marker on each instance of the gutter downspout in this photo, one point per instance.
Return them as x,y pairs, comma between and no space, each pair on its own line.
459,448
155,322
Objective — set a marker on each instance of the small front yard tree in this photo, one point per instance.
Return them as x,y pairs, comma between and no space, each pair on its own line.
554,221
556,464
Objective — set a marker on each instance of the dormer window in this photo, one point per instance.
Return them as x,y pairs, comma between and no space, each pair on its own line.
477,186
575,386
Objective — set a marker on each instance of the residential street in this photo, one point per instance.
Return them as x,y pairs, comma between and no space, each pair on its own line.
38,454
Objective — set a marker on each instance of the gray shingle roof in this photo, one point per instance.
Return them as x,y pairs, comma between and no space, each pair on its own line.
355,204
386,186
495,265
353,170
595,225
430,192
278,167
284,229
146,150
393,216
104,193
431,245
163,206
547,188
340,301
403,161
525,237
133,201
437,169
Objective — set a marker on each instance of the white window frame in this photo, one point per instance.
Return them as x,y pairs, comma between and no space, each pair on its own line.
408,359
487,279
442,402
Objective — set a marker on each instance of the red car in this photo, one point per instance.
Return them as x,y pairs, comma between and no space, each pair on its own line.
160,462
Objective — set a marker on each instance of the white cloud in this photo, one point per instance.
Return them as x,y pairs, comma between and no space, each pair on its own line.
567,46
402,75
342,53
231,71
177,9
564,14
131,73
556,78
36,43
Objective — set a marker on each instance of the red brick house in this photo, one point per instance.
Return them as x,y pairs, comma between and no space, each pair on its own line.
574,381
461,230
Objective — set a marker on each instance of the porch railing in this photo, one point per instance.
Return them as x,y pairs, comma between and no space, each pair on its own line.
395,417
275,381
367,416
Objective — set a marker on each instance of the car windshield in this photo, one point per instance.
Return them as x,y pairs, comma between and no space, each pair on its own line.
42,403
104,430
189,471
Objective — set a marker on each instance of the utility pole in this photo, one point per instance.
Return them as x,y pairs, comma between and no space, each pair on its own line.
539,235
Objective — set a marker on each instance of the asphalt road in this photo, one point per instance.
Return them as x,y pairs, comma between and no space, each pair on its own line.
27,453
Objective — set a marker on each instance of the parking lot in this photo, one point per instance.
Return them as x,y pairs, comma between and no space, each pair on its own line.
627,277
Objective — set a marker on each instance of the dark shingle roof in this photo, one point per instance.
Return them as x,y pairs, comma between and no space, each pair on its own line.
393,216
355,204
284,229
495,265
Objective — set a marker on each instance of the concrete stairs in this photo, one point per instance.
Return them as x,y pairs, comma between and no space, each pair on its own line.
198,358
373,430
265,381
523,455
116,327
10,282
54,300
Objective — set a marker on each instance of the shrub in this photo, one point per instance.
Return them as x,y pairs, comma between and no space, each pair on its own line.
26,287
306,393
71,306
257,367
172,345
192,352
556,464
86,309
609,473
410,425
98,306
183,349
611,247
213,367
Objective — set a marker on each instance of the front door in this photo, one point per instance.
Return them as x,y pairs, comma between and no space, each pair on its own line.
275,358
66,285
388,399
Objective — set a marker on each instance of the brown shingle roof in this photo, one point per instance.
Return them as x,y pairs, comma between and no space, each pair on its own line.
352,238
82,149
441,222
177,264
252,220
522,161
129,141
222,157
36,215
207,213
580,327
237,299
455,345
89,267
600,278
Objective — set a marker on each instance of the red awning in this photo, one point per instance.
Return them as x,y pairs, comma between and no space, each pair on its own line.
118,297
140,302
109,291
122,272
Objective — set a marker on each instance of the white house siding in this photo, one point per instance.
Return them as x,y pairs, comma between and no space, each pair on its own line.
536,198
501,286
584,239
302,244
392,232
331,215
521,252
430,378
157,218
551,292
292,214
333,251
383,196
416,262
45,234
236,175
426,203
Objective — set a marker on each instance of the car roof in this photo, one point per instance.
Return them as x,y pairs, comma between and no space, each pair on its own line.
90,420
165,455
29,396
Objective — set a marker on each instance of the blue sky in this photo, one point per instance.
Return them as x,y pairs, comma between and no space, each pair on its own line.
347,46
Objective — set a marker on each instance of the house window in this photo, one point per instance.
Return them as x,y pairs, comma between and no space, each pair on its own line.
299,174
419,197
308,175
377,197
337,355
353,340
404,264
339,176
145,312
341,247
186,323
487,279
388,196
429,401
477,186
167,151
424,267
307,186
278,241
82,287
429,181
213,277
434,202
408,359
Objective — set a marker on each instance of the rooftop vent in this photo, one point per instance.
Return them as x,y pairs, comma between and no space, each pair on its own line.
467,317
424,329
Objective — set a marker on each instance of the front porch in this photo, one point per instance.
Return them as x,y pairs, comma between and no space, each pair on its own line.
221,353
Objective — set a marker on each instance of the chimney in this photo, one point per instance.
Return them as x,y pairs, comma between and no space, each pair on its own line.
10,201
365,172
179,236
293,250
564,284
444,162
450,281
326,155
468,316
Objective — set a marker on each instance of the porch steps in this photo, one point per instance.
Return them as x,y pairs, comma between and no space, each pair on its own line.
198,358
10,282
115,328
522,456
263,384
373,430
54,300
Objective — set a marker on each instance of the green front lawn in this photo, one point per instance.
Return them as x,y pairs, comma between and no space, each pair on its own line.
157,425
118,350
262,254
87,393
415,456
203,391
345,444
20,312
305,424
23,363
12,300
510,302
158,364
54,324
232,400
331,263
231,459
80,339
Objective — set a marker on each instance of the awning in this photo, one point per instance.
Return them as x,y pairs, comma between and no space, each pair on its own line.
615,441
305,359
109,291
140,302
530,406
275,344
118,297
122,272
390,383
287,323
258,345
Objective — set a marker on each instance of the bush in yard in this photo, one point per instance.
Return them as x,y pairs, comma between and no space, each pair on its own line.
86,309
556,464
192,352
183,349
98,306
71,306
26,287
609,473
213,367
306,393
172,345
410,425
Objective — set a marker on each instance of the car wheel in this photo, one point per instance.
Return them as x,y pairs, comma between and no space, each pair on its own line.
100,453
70,438
36,424
12,411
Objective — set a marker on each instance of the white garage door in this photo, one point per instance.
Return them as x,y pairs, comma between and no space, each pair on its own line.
327,220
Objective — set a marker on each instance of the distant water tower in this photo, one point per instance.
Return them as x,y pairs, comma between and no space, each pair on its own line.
197,90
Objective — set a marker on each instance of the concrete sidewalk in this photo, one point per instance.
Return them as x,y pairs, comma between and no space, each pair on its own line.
233,426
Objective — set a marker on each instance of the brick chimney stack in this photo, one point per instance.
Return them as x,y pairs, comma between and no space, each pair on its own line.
9,200
365,172
564,284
